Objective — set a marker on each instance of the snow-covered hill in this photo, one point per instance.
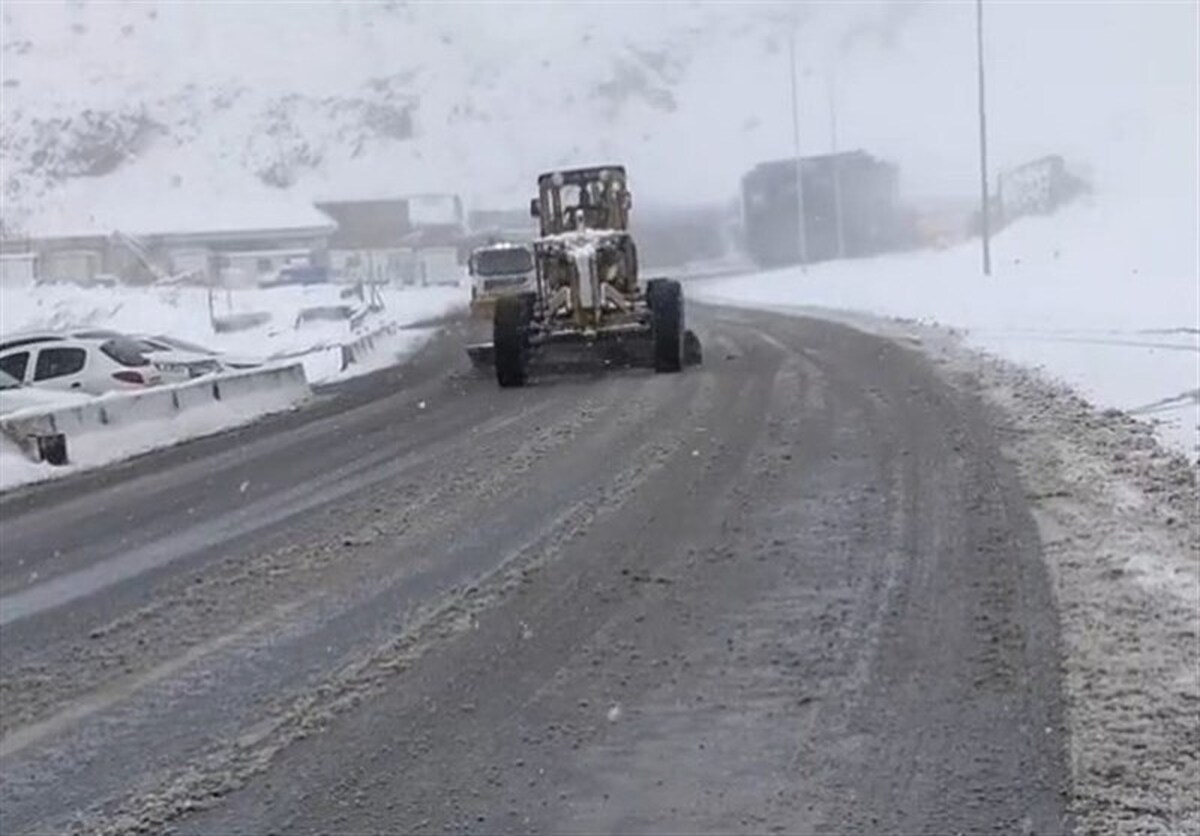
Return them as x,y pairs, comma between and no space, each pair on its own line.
182,102
167,99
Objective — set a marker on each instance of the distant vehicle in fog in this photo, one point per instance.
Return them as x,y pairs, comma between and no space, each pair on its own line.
851,208
497,270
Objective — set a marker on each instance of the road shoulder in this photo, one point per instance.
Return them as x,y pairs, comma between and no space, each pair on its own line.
1119,520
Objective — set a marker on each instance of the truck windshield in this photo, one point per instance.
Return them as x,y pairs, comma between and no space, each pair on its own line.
503,262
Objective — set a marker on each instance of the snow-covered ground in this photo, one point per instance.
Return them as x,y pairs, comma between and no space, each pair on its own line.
1103,297
1119,519
1104,294
184,312
122,440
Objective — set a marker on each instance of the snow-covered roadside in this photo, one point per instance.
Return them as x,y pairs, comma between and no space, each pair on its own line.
120,441
183,312
1117,318
1119,520
1120,526
389,350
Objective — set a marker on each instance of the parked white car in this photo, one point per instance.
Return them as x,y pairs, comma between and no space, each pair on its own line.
87,361
176,365
15,396
159,344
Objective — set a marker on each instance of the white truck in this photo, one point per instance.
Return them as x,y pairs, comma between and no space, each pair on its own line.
499,270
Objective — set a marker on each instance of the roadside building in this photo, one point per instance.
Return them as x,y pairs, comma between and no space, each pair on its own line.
369,243
406,239
231,243
17,269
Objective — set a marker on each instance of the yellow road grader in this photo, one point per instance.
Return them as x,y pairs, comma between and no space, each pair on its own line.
587,303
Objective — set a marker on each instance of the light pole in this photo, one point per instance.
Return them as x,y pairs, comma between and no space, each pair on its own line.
837,168
801,226
985,221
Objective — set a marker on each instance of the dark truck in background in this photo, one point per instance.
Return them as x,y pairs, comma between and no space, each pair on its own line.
861,189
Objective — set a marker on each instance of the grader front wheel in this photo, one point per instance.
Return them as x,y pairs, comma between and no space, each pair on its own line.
510,326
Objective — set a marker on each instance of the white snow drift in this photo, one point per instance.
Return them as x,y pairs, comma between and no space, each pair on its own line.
120,425
384,338
184,312
1115,320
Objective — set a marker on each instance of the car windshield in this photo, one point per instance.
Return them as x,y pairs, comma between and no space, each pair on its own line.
502,262
7,381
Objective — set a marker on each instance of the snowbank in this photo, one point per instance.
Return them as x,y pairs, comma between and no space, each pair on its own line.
1088,295
184,313
1120,527
90,451
119,425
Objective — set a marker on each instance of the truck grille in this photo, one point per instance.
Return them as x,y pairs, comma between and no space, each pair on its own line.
503,284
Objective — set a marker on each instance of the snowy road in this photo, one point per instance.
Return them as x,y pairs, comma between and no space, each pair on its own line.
795,589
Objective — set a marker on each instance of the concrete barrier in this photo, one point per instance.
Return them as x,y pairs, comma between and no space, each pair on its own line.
37,444
360,349
231,387
189,396
254,392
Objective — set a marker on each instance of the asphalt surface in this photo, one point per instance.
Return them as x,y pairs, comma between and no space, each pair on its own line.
795,590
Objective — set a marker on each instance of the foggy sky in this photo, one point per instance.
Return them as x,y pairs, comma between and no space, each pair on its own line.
688,95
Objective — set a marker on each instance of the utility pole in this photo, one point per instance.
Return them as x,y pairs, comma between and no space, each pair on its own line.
983,173
801,225
837,167
833,126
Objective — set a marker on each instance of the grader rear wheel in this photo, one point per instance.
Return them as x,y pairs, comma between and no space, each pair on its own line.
665,298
